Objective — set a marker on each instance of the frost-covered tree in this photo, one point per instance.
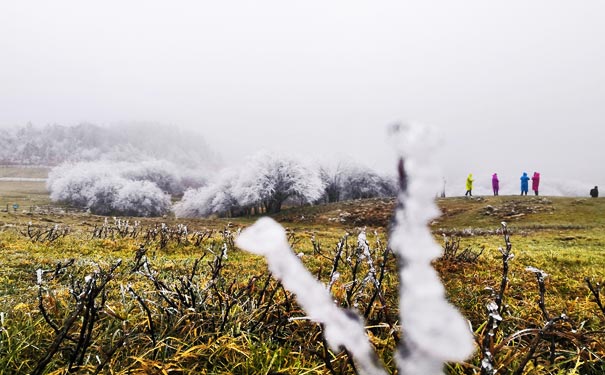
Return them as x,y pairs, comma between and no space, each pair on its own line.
269,180
214,199
360,183
353,181
103,195
141,198
166,175
262,184
73,183
332,180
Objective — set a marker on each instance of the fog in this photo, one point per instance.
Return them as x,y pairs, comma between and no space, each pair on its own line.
512,86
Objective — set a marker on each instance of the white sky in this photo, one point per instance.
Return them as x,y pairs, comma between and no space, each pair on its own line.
513,86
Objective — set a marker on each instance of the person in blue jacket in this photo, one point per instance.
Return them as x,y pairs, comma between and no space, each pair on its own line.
524,183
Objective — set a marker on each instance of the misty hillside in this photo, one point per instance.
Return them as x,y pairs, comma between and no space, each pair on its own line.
51,145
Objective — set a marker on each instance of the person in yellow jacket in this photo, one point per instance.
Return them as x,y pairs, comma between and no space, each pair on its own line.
469,185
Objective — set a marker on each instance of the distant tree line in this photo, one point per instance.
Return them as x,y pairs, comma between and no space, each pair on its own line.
52,145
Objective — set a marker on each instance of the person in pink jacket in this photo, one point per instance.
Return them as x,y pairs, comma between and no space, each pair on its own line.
535,182
495,184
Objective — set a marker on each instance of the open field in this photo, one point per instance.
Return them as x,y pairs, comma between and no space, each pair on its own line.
23,172
27,194
178,305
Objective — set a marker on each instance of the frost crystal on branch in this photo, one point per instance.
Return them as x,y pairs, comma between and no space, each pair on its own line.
434,332
537,271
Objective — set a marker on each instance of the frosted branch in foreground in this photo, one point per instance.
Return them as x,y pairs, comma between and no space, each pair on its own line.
343,328
434,332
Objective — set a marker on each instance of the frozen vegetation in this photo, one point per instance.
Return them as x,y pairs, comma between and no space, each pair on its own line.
133,169
261,184
52,145
434,332
343,328
351,181
121,188
266,181
111,170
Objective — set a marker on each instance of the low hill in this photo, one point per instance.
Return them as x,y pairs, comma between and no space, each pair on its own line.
458,213
371,212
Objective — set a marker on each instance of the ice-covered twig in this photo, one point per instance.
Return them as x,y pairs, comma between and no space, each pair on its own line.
496,308
540,277
363,252
434,332
334,274
362,243
343,328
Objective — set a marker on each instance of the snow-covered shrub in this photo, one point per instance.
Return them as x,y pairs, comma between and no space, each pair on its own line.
162,173
434,332
141,198
213,199
102,188
262,184
72,183
103,195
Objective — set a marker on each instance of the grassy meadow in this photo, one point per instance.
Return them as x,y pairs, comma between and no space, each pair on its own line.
86,294
26,194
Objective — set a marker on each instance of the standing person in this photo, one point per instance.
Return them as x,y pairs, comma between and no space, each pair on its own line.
524,183
469,185
495,184
535,182
594,192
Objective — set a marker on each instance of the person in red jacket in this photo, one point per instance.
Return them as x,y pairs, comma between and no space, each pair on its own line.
535,182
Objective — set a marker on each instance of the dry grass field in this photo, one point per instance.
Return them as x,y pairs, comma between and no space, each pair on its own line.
86,294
